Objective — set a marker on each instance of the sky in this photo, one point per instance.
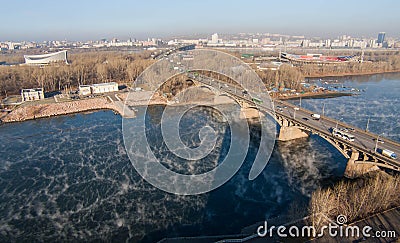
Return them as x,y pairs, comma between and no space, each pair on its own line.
96,19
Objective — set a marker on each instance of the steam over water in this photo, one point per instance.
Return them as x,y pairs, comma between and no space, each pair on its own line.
69,178
380,101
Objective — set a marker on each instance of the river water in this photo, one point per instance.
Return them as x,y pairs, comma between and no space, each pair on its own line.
379,102
69,177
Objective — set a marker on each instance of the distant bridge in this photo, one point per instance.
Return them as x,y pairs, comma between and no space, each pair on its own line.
173,50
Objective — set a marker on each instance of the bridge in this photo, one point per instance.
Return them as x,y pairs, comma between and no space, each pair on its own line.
173,50
295,122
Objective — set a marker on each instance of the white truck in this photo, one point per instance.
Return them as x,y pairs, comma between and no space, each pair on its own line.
316,116
389,153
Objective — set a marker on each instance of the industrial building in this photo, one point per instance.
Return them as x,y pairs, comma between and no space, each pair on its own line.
46,59
98,88
32,94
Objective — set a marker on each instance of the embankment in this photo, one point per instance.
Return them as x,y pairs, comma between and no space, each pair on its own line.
30,112
345,74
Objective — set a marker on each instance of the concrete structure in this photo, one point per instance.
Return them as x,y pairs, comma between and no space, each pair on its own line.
32,94
98,88
46,59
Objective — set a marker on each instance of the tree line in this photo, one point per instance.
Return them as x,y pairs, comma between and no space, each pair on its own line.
374,64
83,68
109,66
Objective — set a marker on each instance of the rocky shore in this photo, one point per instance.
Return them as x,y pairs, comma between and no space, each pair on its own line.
35,111
328,94
30,112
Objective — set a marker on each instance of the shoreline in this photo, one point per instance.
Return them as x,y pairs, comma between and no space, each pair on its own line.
58,115
38,111
350,74
316,96
32,111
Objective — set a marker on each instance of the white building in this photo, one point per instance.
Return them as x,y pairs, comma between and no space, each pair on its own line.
85,89
45,59
214,38
104,88
98,88
32,94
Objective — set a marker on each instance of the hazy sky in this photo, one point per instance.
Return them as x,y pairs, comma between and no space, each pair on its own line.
94,19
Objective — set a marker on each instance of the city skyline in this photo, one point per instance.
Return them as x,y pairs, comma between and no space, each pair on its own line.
123,19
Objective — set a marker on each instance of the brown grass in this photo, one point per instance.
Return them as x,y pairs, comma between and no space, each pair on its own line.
355,199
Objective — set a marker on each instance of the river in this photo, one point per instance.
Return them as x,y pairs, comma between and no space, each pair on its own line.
69,177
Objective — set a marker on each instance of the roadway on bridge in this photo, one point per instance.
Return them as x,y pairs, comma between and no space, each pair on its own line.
364,141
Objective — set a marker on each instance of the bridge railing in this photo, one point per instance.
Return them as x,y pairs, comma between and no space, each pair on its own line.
342,124
383,158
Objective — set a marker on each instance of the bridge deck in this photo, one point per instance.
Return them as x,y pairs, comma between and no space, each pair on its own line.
364,141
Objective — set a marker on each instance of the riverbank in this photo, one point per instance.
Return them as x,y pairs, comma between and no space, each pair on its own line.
44,110
35,111
50,108
328,75
120,104
329,94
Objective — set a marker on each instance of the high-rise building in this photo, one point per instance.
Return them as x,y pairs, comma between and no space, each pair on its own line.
381,37
214,38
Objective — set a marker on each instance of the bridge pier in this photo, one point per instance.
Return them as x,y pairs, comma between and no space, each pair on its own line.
354,169
249,113
289,133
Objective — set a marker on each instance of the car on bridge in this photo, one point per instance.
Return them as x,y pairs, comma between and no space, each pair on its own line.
387,153
257,100
342,134
316,116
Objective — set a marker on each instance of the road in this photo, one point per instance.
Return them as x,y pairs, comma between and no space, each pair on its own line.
364,141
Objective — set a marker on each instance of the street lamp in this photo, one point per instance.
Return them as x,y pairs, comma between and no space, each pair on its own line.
323,110
366,128
377,139
337,122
